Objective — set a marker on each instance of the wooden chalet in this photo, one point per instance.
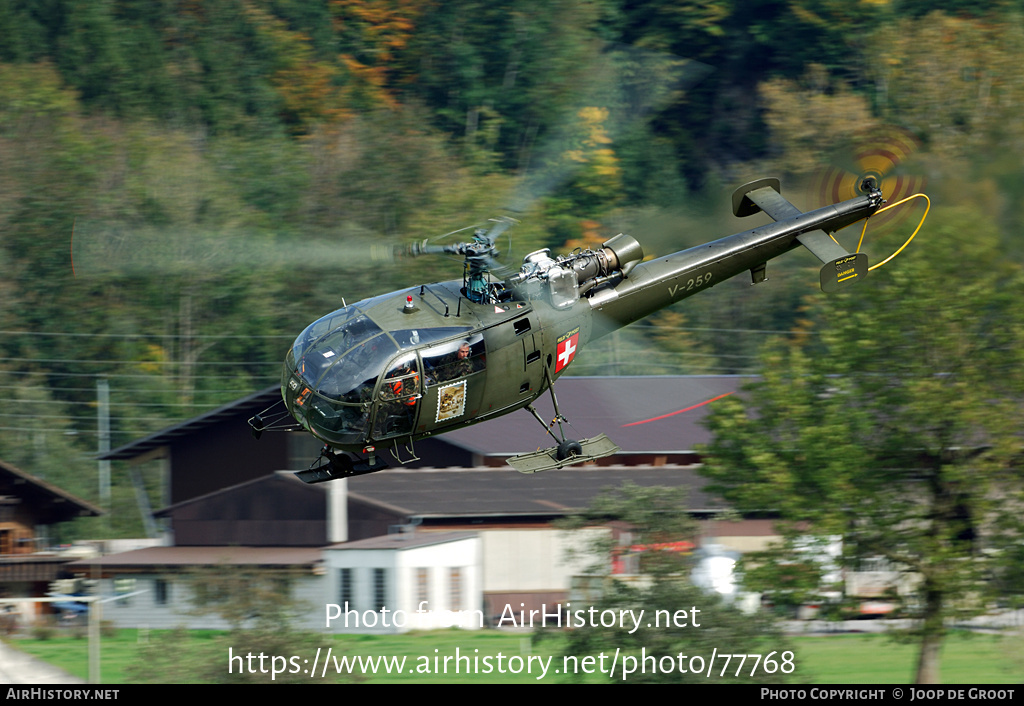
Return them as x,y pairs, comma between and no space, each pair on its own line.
29,506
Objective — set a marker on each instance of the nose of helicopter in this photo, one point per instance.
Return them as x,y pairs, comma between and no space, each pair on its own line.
329,387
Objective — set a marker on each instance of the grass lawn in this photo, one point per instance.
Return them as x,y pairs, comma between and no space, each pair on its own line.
967,658
835,659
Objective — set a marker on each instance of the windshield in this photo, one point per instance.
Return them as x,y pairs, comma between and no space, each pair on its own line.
334,366
350,377
346,328
331,392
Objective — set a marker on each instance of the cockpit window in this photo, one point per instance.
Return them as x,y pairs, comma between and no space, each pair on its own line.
453,359
335,394
401,379
337,422
399,394
340,360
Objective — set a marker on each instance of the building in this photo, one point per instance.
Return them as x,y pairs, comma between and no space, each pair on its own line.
274,526
464,540
29,507
404,581
216,450
655,421
470,534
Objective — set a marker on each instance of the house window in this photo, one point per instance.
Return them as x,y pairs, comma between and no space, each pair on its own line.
123,587
380,588
422,586
162,591
345,594
455,589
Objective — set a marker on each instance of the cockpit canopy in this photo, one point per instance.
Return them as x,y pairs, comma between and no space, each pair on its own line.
337,357
335,366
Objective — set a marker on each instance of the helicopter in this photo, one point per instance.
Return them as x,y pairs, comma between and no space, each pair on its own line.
388,371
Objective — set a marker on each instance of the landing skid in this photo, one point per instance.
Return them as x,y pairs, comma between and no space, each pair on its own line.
332,466
568,452
548,459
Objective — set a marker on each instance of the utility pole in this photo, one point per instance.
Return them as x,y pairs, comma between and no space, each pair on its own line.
103,427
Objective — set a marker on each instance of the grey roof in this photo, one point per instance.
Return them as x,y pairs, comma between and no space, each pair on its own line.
257,400
405,540
503,492
205,556
642,414
270,478
649,414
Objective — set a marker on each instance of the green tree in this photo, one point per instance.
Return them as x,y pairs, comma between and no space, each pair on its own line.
899,431
652,524
509,70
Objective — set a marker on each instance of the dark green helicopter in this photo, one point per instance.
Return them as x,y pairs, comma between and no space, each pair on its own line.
388,371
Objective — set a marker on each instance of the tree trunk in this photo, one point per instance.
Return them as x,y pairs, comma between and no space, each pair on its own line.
928,660
933,631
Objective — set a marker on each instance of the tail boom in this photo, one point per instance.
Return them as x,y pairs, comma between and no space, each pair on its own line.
658,283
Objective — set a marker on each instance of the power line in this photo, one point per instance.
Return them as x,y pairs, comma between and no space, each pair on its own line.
638,325
63,334
123,390
80,432
210,405
68,361
79,417
722,330
131,376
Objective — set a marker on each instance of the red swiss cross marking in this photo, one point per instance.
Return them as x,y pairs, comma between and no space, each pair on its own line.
566,350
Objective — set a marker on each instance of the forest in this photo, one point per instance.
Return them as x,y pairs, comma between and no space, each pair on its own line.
185,184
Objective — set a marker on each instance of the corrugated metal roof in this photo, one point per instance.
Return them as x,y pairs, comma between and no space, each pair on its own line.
282,476
643,415
405,540
258,401
492,492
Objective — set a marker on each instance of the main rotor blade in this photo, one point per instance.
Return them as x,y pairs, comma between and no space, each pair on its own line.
120,249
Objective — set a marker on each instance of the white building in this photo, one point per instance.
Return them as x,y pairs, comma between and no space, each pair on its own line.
404,581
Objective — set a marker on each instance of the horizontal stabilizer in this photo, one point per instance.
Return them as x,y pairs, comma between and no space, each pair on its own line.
763,195
822,245
546,459
841,268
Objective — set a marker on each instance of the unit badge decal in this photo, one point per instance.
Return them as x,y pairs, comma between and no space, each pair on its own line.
451,401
